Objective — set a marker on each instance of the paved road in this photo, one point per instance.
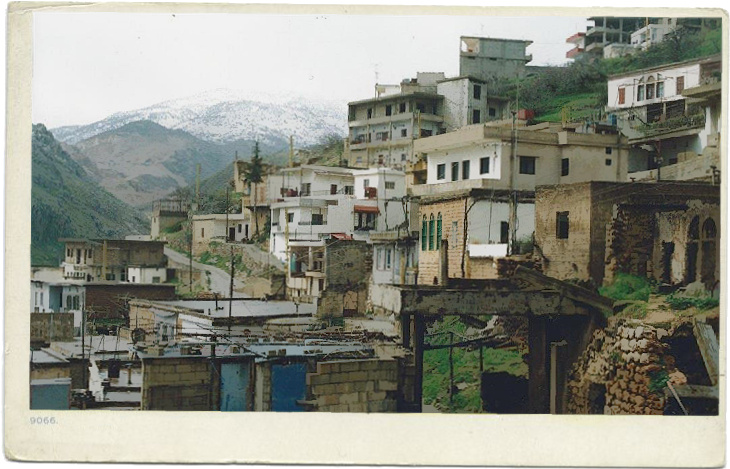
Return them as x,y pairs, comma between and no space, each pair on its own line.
220,280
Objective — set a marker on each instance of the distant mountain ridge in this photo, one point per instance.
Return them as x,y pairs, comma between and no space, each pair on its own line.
224,116
66,202
142,161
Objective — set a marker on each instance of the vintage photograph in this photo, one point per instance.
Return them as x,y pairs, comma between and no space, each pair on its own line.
454,214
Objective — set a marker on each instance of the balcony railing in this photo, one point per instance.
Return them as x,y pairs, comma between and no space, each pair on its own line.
674,123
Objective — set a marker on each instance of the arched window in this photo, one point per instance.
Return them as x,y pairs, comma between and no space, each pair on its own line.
438,231
709,229
424,233
694,228
431,232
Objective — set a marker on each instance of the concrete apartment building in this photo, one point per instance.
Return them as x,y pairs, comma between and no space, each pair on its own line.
108,259
471,176
668,231
672,118
382,129
325,203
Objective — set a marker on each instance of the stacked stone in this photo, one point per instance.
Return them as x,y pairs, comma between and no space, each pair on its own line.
624,358
355,386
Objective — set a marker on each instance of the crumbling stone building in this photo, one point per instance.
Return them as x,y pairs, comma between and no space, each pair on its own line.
668,231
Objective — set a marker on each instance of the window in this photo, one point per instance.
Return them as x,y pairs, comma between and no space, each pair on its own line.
69,304
492,112
333,190
660,89
477,92
366,183
41,298
562,224
680,85
640,93
564,167
290,217
424,233
402,107
240,227
370,113
527,164
455,171
476,116
503,232
202,232
388,260
349,190
426,132
465,169
441,171
390,184
307,189
68,252
403,132
388,110
438,231
358,160
650,91
431,232
402,156
609,150
317,219
382,136
622,95
609,162
484,165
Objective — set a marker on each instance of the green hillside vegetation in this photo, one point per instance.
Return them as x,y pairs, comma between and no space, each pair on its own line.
65,202
580,87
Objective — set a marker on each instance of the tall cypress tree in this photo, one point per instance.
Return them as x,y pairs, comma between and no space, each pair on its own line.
254,175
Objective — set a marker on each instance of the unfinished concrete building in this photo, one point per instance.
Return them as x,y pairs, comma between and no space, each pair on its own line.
666,231
491,59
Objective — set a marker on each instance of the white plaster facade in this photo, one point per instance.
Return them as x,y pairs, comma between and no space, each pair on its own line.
146,274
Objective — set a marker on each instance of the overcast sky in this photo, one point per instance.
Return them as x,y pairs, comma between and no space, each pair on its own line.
90,65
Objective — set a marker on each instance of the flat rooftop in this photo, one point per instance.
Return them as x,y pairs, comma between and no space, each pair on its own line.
242,307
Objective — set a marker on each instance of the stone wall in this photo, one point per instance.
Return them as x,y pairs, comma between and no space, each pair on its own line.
340,301
179,384
355,386
428,260
622,371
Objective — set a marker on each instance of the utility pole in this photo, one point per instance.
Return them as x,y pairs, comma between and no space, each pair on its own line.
227,207
230,293
83,346
512,241
291,151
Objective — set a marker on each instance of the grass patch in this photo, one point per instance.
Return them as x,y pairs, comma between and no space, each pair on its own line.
681,303
636,310
627,287
466,370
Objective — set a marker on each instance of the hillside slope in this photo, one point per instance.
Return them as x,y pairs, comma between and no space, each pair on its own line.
65,202
143,161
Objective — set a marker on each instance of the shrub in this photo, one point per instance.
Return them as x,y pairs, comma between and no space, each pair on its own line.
627,287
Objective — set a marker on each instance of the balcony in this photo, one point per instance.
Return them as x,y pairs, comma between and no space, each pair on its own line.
673,124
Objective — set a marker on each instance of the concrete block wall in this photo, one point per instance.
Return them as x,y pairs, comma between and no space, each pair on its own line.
178,384
355,386
51,327
262,389
620,372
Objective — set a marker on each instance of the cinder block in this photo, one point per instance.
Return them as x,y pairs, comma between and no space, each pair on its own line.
387,386
349,398
357,376
349,366
343,388
376,395
359,407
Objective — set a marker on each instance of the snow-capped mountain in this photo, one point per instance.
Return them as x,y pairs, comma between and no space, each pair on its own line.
223,116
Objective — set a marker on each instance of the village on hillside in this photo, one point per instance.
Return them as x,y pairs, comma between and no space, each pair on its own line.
456,254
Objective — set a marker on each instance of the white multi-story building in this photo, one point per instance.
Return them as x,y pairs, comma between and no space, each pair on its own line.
663,125
321,203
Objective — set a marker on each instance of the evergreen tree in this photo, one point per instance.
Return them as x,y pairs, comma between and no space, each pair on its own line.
254,176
